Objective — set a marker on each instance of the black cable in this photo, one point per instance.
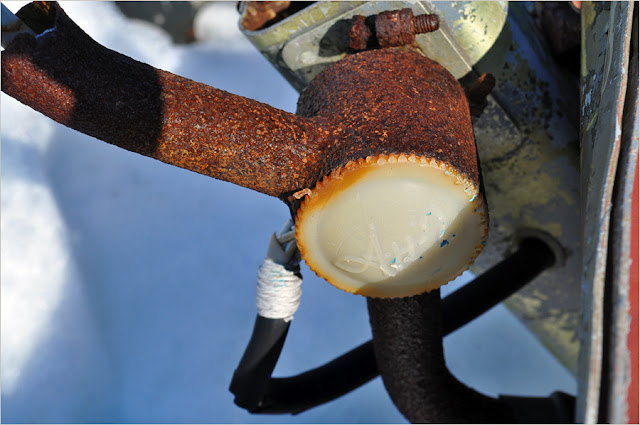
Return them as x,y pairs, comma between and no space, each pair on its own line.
251,378
322,384
496,284
257,392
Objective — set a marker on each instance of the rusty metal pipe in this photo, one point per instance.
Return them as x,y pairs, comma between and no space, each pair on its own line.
67,76
389,112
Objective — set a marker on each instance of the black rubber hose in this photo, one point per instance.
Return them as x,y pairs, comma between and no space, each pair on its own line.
358,366
496,284
323,384
251,378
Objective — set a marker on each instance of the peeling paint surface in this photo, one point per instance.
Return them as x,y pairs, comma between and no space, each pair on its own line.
529,152
304,44
605,55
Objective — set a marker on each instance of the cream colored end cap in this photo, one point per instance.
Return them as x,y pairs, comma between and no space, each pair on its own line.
392,228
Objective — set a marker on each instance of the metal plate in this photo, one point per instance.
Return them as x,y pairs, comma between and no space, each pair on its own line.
529,151
302,45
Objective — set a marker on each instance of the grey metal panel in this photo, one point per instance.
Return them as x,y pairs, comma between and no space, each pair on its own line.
605,55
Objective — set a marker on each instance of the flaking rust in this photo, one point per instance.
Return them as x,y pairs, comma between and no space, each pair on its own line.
391,103
391,28
376,102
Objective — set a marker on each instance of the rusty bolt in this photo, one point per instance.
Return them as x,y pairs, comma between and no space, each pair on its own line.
392,28
478,92
360,33
425,23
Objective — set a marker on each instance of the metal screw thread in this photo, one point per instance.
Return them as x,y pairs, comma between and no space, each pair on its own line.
425,23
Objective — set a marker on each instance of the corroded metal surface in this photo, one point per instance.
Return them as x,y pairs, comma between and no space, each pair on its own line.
69,77
604,73
184,123
529,152
393,28
359,34
423,24
478,92
392,102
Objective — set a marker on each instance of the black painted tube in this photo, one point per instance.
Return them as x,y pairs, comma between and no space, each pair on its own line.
407,341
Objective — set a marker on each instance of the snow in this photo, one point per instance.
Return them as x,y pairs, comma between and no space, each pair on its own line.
128,285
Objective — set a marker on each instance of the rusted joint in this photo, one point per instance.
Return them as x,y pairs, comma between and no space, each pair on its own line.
478,92
392,28
385,112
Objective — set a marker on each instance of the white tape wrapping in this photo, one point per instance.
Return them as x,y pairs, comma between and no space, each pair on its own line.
278,291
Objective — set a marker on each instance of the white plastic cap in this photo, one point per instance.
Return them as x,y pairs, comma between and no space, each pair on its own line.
392,226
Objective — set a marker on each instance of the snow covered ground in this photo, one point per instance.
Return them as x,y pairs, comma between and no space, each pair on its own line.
128,284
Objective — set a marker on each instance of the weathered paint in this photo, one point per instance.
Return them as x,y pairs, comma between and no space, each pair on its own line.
529,152
306,43
605,45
